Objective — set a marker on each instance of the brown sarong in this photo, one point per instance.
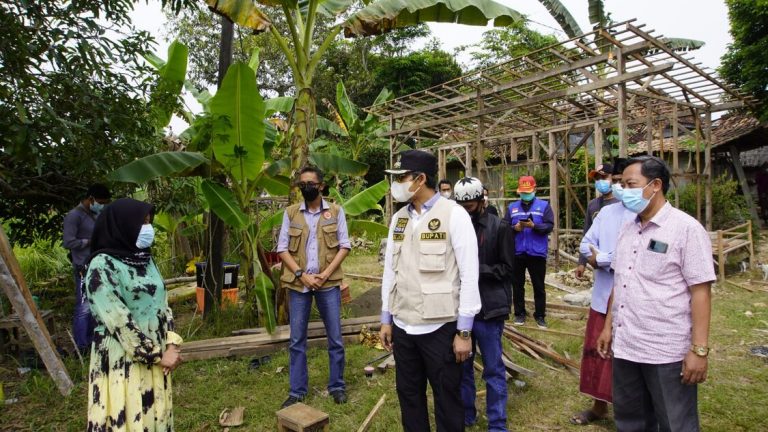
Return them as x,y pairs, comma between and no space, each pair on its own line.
595,378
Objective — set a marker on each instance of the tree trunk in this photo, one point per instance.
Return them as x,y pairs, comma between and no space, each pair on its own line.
305,121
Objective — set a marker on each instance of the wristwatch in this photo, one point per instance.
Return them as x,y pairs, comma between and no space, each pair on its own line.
464,334
298,273
700,350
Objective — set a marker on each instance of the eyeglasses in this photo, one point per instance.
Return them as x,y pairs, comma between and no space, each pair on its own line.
304,185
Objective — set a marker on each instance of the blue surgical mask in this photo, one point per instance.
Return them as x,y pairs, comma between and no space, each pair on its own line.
603,186
97,207
146,236
633,199
617,191
527,196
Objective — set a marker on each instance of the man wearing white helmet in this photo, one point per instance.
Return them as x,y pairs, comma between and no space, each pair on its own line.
496,251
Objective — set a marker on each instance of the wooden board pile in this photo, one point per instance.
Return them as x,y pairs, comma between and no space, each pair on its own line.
258,341
537,349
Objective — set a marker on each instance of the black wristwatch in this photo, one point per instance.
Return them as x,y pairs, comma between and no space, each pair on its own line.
464,334
298,273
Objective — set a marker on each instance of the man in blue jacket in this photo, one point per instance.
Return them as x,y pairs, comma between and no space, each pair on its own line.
532,220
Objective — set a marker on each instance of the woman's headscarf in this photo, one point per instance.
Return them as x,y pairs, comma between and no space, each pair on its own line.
117,229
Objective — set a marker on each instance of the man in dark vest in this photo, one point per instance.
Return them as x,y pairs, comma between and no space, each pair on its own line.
429,295
312,244
496,248
78,227
532,220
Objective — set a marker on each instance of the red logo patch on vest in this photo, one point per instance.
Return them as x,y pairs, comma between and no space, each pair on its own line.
327,214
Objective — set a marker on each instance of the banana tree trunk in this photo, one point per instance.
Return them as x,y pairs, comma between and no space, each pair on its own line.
305,118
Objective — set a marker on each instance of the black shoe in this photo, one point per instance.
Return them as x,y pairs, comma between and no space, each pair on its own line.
292,400
339,396
541,323
519,319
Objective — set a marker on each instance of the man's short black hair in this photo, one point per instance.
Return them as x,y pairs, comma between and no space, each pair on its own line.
618,165
445,181
652,168
312,169
99,191
430,180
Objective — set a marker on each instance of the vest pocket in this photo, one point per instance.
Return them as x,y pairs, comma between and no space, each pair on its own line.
437,300
432,256
396,248
294,240
330,234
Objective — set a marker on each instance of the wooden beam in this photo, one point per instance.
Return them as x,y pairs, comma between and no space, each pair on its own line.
555,94
708,168
735,156
15,288
553,194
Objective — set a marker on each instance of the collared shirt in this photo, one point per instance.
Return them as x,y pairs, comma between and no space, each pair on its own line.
603,235
78,228
652,300
593,209
312,218
464,243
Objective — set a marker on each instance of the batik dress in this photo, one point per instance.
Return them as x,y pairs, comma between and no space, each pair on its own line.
127,388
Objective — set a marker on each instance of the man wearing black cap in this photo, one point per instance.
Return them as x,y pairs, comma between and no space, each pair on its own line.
429,294
602,175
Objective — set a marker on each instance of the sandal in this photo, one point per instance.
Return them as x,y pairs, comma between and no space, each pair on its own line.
584,418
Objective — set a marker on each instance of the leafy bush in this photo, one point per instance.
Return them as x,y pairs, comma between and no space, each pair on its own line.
724,190
43,260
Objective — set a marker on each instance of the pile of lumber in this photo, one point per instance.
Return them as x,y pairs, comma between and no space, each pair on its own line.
258,341
537,349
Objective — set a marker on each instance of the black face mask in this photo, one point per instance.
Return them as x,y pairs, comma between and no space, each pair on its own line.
310,193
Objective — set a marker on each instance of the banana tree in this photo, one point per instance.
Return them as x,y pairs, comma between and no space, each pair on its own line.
376,17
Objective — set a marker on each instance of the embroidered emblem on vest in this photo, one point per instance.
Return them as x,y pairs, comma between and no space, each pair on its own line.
400,225
433,225
327,214
434,235
398,237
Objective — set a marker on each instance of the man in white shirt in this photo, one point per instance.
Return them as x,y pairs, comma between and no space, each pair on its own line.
429,295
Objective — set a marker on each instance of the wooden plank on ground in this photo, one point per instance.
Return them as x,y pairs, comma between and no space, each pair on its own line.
371,319
366,278
388,363
547,330
261,350
562,307
15,288
555,284
514,367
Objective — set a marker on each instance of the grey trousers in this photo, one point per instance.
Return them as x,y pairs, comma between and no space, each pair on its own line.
650,397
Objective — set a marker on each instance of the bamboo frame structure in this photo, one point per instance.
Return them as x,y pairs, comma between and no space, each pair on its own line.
621,81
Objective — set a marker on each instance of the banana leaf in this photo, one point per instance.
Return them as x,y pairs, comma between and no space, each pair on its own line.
597,12
367,199
563,16
369,229
239,145
264,294
161,164
324,124
278,167
170,82
336,196
681,44
272,221
347,109
242,12
332,164
279,104
223,203
276,186
384,15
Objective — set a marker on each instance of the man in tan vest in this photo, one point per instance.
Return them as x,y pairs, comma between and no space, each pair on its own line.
312,244
429,295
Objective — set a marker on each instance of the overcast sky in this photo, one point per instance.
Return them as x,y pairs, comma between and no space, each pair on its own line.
705,20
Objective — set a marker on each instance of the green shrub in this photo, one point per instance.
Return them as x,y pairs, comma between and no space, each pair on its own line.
731,207
42,261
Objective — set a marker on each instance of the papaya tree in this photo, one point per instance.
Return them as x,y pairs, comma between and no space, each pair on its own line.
372,18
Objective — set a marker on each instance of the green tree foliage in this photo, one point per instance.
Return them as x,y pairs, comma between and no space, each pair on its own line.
745,63
499,45
72,105
415,71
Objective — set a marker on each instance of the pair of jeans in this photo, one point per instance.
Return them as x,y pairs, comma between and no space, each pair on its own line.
329,305
82,321
487,336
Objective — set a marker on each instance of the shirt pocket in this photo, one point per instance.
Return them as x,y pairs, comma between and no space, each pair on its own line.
294,239
432,256
437,300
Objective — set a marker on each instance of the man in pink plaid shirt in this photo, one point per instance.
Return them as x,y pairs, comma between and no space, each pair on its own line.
659,311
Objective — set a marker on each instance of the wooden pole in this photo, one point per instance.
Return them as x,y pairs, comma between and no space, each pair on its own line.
736,156
567,176
15,288
708,170
675,156
648,129
751,245
553,195
720,256
482,171
622,105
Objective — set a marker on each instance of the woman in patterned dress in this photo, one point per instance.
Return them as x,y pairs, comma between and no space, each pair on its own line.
134,348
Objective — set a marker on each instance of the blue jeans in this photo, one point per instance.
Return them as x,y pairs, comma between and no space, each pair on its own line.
82,321
329,304
486,335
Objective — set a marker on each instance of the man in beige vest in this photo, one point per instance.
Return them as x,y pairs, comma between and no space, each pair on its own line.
312,244
429,295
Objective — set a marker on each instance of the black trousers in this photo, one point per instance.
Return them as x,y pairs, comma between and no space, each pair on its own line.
650,397
537,268
419,358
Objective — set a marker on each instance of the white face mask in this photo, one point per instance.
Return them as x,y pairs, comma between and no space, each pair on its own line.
146,236
446,194
401,191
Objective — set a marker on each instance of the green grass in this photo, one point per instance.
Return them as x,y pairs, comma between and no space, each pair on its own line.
733,399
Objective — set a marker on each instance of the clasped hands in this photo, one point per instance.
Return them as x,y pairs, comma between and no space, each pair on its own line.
313,281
